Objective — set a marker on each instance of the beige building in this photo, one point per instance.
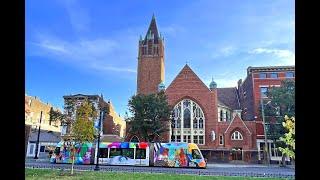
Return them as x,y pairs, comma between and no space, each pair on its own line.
33,108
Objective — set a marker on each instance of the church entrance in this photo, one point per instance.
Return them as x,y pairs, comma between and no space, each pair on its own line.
237,154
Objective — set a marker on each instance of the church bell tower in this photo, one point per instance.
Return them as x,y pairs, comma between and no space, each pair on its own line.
150,61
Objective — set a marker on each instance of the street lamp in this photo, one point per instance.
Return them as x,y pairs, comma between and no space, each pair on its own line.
265,133
97,168
37,145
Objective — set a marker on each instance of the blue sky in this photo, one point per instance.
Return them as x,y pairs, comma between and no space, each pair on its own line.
91,47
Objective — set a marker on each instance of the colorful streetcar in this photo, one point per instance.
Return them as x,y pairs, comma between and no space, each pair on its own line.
133,154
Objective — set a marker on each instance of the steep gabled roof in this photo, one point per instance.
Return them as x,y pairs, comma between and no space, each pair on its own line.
229,97
237,119
191,75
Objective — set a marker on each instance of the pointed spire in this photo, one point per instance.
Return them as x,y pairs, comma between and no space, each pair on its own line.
152,32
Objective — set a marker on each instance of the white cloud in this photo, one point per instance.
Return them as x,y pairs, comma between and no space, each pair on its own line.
110,68
94,54
78,16
224,51
286,57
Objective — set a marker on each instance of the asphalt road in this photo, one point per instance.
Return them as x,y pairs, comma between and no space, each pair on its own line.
211,170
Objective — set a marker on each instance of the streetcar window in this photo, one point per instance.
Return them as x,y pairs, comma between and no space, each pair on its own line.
196,154
140,153
114,152
103,153
57,151
128,152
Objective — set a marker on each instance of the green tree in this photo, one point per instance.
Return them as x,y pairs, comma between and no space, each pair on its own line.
150,113
289,137
82,129
280,102
55,115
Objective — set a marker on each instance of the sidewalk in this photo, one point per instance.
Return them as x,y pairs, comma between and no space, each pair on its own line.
226,165
47,160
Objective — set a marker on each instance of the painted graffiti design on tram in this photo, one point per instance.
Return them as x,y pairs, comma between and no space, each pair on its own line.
177,155
63,153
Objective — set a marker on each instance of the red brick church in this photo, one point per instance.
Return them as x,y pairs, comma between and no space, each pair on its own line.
206,115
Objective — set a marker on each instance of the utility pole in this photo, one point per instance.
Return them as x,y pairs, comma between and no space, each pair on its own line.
97,168
37,145
266,149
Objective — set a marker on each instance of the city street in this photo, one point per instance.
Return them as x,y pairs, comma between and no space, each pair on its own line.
212,169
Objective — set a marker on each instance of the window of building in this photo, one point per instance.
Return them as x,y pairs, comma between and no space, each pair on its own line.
31,148
195,139
274,75
221,115
262,75
114,152
140,153
263,92
187,114
42,148
221,140
236,136
201,140
173,138
179,138
184,138
195,123
289,74
227,116
178,123
103,153
186,118
200,123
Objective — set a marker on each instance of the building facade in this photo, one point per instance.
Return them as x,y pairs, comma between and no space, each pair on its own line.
33,108
221,121
253,90
112,126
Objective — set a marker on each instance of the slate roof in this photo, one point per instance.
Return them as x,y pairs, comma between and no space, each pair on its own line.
228,97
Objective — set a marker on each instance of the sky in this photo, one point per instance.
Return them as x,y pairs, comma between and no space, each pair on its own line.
91,47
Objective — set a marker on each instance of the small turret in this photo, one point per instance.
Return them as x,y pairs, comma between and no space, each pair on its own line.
213,85
161,87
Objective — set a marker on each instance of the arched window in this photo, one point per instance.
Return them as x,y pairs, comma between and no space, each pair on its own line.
186,118
200,123
236,136
195,123
188,122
